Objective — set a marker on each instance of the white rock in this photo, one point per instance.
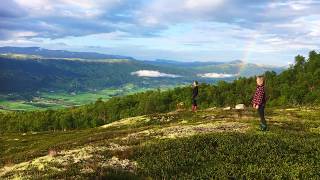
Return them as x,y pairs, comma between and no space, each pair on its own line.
240,106
227,108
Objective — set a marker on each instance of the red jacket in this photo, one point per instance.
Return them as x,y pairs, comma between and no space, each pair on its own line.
259,97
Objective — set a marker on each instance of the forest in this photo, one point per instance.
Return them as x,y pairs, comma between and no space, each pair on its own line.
296,86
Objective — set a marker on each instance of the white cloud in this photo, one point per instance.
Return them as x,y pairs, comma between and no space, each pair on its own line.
202,4
300,33
216,75
23,34
114,35
151,73
164,12
14,34
67,8
297,5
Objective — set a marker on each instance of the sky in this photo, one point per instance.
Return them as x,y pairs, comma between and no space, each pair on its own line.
257,31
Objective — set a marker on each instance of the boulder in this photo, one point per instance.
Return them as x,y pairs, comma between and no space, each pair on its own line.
240,107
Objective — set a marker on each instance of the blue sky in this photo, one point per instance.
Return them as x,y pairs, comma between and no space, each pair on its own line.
267,32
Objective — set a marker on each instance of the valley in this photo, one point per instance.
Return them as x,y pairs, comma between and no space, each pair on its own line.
58,100
34,78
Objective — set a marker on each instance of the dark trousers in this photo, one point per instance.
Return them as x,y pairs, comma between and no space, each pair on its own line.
262,118
194,101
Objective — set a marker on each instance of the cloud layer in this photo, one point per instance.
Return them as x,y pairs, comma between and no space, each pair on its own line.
216,75
176,29
150,73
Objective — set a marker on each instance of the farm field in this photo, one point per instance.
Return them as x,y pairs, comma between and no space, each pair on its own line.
58,100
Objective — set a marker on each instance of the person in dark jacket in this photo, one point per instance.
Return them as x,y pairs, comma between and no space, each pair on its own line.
259,101
194,96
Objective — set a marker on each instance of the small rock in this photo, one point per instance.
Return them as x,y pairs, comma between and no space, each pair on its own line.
184,122
211,118
52,152
227,108
211,109
180,106
240,107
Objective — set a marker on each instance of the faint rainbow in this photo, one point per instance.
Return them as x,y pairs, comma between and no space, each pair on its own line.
251,44
249,48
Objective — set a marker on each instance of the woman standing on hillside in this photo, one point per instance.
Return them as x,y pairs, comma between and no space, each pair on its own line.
194,95
259,101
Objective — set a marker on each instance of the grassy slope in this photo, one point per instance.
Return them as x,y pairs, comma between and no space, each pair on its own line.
212,143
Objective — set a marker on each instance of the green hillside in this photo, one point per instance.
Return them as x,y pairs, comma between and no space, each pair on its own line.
178,145
69,75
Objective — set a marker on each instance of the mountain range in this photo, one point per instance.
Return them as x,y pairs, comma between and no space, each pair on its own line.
34,68
58,53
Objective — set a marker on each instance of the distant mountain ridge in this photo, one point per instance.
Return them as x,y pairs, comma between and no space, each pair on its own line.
165,62
236,67
46,53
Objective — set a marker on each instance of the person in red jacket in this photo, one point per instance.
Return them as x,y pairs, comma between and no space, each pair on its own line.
259,101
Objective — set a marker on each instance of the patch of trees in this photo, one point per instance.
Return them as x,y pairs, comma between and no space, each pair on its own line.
299,85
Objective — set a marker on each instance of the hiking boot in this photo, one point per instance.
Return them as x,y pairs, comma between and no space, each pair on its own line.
263,127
